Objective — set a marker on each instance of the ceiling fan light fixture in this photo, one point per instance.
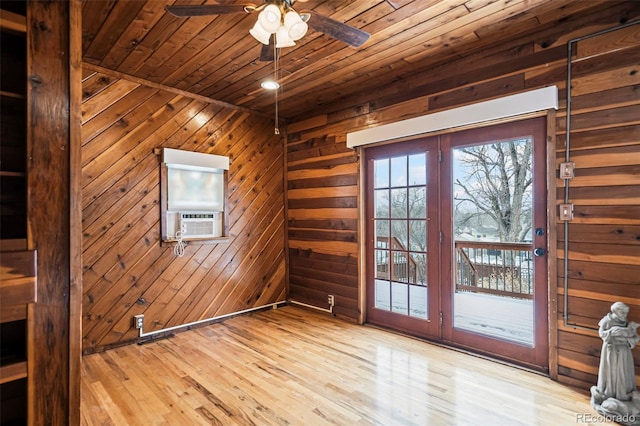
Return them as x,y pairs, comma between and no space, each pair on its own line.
283,39
260,33
269,18
295,26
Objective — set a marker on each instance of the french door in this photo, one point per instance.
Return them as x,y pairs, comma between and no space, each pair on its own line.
456,239
403,237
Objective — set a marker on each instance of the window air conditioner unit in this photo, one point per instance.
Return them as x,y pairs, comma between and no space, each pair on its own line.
195,224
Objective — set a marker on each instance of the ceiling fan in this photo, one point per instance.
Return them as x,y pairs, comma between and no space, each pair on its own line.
278,23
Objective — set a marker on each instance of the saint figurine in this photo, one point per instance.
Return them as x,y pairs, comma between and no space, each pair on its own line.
615,393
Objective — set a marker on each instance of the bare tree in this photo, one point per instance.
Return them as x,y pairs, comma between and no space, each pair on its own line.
497,181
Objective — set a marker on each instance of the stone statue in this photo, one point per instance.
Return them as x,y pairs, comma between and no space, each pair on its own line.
615,396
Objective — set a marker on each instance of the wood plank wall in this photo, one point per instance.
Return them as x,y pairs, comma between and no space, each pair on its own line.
604,237
322,215
126,270
604,246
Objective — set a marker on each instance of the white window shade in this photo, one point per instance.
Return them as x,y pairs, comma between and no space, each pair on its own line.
191,190
195,181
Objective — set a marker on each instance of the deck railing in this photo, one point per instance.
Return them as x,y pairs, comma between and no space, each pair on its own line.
403,267
496,268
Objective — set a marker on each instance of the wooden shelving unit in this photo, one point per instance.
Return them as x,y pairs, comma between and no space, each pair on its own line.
17,291
13,118
17,265
18,282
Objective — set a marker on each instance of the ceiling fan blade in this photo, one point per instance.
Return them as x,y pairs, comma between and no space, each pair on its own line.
184,11
336,29
266,53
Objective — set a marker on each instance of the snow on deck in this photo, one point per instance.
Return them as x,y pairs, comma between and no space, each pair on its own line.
496,316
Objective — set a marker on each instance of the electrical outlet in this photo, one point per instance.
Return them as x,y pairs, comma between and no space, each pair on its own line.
330,300
138,321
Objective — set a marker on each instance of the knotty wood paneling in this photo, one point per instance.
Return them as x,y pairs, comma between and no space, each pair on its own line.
126,269
322,214
214,55
604,238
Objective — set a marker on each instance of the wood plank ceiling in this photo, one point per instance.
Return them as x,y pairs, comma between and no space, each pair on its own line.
215,57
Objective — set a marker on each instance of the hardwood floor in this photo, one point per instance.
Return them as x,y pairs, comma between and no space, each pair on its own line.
297,367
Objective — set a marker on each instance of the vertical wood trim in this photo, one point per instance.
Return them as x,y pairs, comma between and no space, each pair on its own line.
285,200
225,213
163,196
552,244
362,237
75,219
48,208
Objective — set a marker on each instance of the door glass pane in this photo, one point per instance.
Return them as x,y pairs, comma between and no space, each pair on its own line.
493,291
418,301
399,234
382,264
400,266
383,295
381,173
418,169
418,202
400,298
400,243
399,203
382,233
381,203
382,253
420,260
399,171
418,235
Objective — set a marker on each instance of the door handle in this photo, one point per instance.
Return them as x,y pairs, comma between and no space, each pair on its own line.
539,251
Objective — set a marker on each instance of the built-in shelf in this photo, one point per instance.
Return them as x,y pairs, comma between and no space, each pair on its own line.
11,372
14,22
18,278
13,313
11,95
14,244
12,174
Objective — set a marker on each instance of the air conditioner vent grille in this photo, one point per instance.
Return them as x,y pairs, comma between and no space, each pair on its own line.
190,228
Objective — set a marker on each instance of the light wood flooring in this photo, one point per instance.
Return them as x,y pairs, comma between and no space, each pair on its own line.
292,366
